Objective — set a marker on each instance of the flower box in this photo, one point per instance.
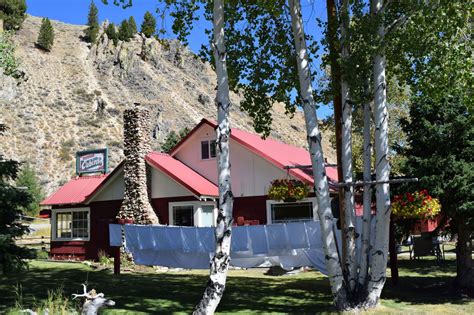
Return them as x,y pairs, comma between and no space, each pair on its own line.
288,190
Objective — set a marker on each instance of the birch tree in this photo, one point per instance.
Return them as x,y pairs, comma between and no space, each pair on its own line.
220,262
346,157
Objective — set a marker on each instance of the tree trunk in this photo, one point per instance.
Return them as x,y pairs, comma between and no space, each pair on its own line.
378,254
337,103
220,262
464,276
367,200
392,247
350,263
317,160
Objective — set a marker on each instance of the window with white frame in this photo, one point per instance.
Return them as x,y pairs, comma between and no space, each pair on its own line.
71,224
183,215
283,212
192,213
208,149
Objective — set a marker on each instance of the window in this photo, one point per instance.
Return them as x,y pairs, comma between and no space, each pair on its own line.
208,149
207,215
71,224
291,212
183,215
192,213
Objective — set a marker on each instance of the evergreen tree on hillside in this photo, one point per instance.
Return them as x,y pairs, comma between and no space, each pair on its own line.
112,33
92,30
12,12
133,26
12,201
46,35
28,178
148,25
172,139
124,31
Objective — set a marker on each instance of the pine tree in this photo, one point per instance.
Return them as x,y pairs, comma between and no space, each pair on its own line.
148,25
46,35
92,29
133,26
28,178
12,12
124,31
112,33
12,201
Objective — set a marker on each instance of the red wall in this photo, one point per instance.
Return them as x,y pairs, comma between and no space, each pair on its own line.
104,212
251,208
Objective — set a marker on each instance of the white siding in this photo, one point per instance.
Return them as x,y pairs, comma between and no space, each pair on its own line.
112,190
250,174
163,186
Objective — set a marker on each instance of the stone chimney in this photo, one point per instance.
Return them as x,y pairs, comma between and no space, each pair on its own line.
136,204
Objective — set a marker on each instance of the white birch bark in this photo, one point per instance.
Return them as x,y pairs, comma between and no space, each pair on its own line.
350,263
367,199
321,187
220,262
382,169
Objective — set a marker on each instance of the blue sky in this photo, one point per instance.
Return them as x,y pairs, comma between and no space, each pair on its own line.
75,12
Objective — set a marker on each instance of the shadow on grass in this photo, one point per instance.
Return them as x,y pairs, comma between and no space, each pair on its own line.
424,282
172,292
421,282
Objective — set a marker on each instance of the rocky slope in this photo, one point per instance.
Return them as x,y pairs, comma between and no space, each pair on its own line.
75,96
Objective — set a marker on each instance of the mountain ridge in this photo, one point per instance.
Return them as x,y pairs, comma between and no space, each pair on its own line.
75,95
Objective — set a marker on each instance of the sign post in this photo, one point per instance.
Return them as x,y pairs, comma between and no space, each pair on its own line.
92,161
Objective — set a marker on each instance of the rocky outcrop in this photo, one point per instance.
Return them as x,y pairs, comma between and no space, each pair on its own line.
7,88
136,203
76,94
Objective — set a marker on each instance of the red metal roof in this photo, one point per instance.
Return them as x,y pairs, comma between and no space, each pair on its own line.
183,174
278,153
76,191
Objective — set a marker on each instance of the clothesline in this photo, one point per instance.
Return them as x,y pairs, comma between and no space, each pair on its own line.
288,245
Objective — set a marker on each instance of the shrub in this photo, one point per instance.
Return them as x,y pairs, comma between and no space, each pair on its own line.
12,12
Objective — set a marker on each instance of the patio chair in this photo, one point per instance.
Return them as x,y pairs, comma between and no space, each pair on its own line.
425,246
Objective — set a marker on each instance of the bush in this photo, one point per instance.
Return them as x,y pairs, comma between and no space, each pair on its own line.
8,62
12,12
42,254
104,259
56,303
46,35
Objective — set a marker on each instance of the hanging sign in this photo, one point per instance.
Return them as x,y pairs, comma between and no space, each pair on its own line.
91,161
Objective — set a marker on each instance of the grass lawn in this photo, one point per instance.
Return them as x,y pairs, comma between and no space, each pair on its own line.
424,288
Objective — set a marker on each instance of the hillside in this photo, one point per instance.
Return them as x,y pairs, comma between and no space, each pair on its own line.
75,95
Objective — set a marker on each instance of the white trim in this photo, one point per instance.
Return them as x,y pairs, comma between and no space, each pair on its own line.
270,202
70,210
197,210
